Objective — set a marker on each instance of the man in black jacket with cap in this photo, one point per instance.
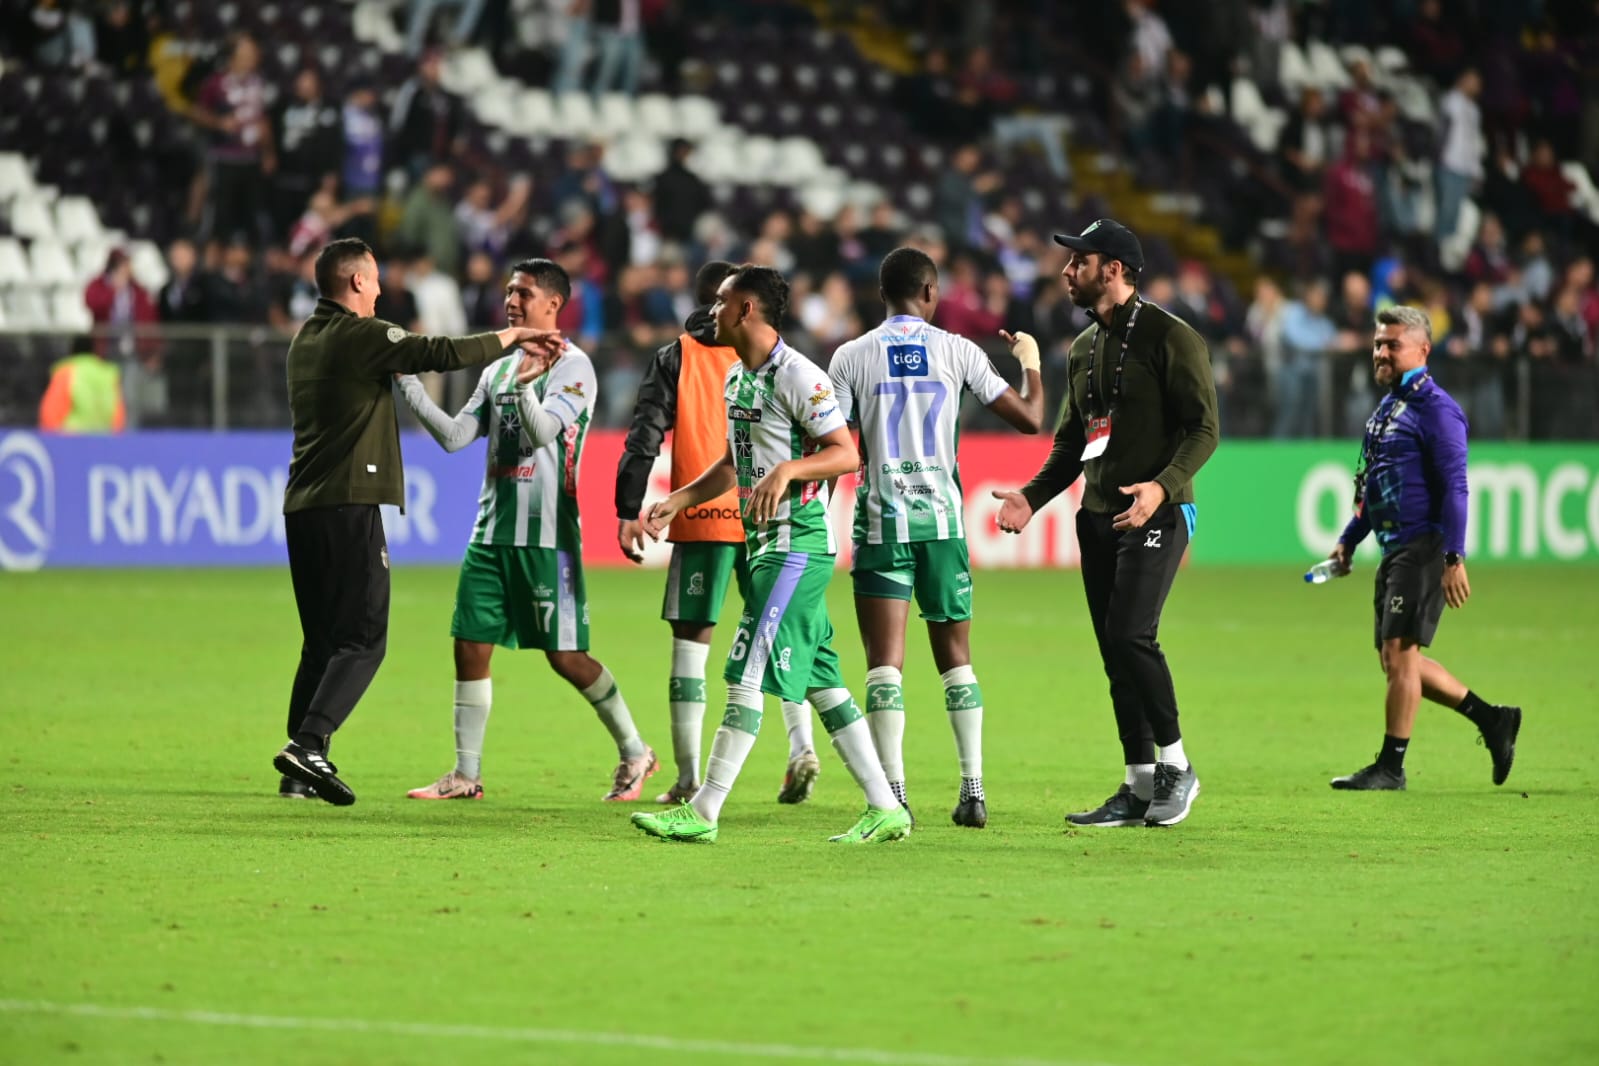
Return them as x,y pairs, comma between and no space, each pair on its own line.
1139,421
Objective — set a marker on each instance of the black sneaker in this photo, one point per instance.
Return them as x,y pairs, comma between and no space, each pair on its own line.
312,768
289,788
1175,792
1499,737
972,813
1123,808
1374,778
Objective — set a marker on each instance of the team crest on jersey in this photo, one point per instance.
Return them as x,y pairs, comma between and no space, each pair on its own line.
543,592
696,583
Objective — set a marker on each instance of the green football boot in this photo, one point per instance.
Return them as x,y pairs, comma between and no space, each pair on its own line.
682,822
877,826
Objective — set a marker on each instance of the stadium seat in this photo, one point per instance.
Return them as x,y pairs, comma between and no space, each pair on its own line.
1584,197
31,217
615,114
1327,70
757,157
654,115
716,159
27,308
495,108
1392,61
822,200
535,113
863,195
90,257
16,179
799,159
1294,69
49,263
697,116
468,71
13,262
68,312
149,265
77,220
636,157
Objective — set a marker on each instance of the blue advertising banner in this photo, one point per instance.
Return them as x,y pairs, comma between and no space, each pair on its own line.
199,499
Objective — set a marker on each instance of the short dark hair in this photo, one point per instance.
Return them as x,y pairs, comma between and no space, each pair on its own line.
548,275
769,289
904,272
334,261
709,279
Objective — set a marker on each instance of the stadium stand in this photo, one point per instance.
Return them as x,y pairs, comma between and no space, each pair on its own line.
1288,167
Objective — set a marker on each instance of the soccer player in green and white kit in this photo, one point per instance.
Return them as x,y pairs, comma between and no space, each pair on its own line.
902,385
521,583
786,442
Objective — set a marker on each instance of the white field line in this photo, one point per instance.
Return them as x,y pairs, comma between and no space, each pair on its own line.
518,1035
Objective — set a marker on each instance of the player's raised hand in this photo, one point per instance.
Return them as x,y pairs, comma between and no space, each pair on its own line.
630,538
535,364
657,517
1024,348
769,494
1014,511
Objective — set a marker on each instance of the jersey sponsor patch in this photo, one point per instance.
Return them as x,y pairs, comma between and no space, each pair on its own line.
907,361
744,414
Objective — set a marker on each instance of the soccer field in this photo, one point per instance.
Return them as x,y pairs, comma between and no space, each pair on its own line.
164,906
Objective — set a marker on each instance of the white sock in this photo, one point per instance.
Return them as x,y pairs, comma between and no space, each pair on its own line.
472,702
1172,755
687,694
1141,779
607,701
963,702
885,714
797,720
731,746
853,742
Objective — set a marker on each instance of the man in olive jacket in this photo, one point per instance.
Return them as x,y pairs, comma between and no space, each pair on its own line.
346,462
1139,422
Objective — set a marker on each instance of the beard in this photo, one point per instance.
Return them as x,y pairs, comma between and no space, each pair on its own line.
1088,291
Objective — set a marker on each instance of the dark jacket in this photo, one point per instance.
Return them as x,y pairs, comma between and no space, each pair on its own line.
655,414
341,398
1164,427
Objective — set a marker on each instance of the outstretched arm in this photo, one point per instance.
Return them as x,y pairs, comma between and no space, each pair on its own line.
453,434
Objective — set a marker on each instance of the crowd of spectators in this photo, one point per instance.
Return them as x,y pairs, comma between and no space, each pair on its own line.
1369,200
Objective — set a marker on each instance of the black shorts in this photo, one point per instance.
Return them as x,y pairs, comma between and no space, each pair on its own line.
1410,593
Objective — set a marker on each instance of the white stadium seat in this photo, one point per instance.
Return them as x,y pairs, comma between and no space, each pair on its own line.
535,113
16,179
1327,70
656,116
1294,69
90,257
574,116
799,159
149,265
77,220
68,312
27,308
31,216
49,264
13,262
697,116
757,159
615,114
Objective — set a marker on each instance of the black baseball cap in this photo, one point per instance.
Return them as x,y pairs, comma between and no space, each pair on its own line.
1110,239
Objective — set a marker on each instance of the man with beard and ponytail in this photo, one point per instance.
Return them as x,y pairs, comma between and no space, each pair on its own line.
1139,422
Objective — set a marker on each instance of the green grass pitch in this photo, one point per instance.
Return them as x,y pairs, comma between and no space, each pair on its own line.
163,906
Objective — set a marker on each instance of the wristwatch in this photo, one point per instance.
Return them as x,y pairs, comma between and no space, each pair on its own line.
1451,558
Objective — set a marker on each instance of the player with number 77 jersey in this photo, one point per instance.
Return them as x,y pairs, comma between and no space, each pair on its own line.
902,385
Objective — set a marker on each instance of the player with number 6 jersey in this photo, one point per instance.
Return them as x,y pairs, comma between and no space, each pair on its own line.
521,583
786,442
902,384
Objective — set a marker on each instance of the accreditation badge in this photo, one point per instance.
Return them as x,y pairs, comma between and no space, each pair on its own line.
1098,438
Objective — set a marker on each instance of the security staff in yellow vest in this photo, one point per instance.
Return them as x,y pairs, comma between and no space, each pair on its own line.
346,462
682,393
85,394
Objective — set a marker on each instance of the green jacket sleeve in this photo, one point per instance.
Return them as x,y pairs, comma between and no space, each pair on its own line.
377,347
1191,398
1065,462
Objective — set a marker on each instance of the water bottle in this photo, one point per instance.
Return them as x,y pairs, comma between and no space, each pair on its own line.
1323,571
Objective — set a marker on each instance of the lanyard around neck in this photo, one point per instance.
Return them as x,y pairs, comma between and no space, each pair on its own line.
1121,361
1375,431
